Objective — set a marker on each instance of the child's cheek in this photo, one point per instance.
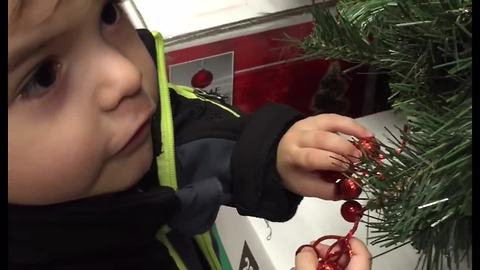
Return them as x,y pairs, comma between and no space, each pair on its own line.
51,165
150,82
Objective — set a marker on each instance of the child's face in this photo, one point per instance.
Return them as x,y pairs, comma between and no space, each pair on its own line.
81,91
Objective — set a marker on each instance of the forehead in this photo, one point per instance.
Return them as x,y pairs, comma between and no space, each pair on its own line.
30,13
33,21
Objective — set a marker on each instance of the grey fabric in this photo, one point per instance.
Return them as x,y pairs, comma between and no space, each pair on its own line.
205,159
200,204
205,186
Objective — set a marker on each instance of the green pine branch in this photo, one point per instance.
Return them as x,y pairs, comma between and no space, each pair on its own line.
426,48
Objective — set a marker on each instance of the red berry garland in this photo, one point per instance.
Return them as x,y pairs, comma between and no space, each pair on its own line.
349,188
369,146
351,211
354,212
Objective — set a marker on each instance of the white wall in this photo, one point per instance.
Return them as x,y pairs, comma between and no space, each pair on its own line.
178,17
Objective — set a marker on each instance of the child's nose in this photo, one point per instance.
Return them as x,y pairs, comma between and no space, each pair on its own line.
120,79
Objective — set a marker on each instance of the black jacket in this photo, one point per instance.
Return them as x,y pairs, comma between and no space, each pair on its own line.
117,231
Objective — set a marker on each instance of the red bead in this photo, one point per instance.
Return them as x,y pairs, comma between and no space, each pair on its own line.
349,188
351,211
369,146
202,79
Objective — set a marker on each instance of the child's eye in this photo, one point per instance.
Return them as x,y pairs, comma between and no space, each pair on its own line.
110,13
42,80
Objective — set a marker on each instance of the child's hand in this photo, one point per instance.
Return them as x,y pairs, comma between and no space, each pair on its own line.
308,147
360,260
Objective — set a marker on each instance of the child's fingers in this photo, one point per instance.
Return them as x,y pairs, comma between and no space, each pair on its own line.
330,142
311,186
306,259
322,250
361,259
338,123
359,248
312,159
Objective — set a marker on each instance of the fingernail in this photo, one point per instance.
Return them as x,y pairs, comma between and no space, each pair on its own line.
357,154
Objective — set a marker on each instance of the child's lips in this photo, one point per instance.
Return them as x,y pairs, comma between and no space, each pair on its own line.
138,136
137,139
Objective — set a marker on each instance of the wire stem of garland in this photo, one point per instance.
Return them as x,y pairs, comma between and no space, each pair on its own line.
342,242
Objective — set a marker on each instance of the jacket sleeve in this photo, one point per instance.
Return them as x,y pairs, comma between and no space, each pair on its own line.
256,184
249,176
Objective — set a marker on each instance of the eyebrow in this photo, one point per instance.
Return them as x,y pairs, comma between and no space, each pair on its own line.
20,5
25,53
19,56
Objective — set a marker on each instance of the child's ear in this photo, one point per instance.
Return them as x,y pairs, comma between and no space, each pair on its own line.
149,42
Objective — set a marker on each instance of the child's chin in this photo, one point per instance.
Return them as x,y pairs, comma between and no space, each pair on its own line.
143,161
126,173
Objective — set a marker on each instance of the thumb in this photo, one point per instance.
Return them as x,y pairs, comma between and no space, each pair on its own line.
306,259
361,257
322,250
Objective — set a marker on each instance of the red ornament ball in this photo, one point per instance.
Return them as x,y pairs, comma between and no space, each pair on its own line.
351,211
349,188
326,265
370,146
202,79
